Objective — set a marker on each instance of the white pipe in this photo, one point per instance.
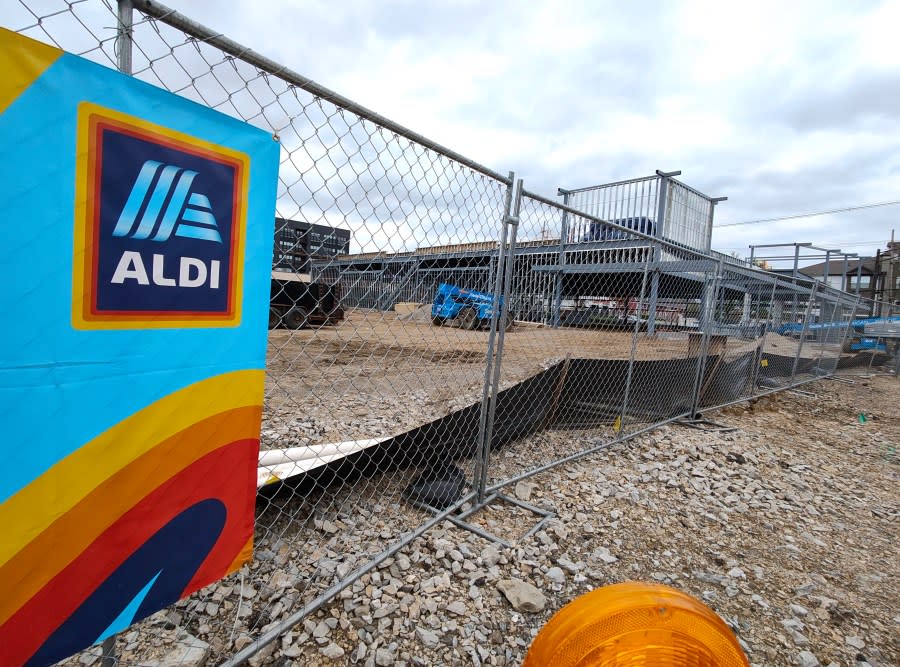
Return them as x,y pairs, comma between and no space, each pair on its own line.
278,464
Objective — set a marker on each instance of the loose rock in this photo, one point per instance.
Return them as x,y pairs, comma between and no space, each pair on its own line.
522,595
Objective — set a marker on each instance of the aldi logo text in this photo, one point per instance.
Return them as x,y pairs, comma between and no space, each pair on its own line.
162,226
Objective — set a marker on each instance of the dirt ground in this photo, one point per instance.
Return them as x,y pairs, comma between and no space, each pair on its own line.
377,373
386,336
378,339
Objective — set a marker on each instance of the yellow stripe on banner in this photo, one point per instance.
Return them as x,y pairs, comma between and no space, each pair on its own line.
22,61
23,575
32,510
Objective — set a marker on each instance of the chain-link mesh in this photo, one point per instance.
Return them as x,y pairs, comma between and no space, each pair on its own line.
400,283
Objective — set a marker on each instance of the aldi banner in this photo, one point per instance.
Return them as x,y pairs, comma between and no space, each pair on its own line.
136,236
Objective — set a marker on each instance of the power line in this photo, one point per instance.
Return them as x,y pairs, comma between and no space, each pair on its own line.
840,244
857,244
811,215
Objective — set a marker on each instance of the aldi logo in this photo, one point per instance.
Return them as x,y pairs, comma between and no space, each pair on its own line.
159,228
142,198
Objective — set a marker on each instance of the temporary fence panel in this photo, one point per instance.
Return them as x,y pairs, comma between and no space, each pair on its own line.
353,411
739,340
834,324
587,364
872,343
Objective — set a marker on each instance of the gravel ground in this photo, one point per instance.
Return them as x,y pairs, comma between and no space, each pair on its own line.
787,527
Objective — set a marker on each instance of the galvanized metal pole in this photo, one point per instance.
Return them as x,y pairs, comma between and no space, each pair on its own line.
563,237
804,329
124,46
633,353
480,472
794,273
748,300
513,223
707,239
844,273
124,43
662,194
858,274
704,341
707,305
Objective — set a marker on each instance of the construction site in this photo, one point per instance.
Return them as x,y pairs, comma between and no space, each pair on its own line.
449,406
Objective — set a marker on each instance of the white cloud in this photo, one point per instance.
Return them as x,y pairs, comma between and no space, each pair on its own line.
784,107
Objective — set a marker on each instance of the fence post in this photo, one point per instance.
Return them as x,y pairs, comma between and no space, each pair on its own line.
803,330
847,330
558,283
498,326
124,42
124,45
794,272
485,427
710,296
662,194
745,313
762,343
634,339
880,308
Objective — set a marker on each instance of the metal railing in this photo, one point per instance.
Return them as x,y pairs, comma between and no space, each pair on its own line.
614,327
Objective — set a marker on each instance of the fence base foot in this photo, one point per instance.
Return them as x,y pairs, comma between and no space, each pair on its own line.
800,392
459,518
705,425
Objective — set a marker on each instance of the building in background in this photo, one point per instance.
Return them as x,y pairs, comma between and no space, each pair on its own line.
888,280
879,276
299,243
837,278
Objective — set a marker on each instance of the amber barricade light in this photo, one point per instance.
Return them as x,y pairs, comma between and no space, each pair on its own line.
635,624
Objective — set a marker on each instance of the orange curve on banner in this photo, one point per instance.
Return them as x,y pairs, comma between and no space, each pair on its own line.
51,551
22,61
31,510
43,614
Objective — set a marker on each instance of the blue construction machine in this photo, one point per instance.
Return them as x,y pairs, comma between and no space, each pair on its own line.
864,333
468,308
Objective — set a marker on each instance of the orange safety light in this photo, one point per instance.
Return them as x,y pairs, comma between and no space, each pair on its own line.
635,624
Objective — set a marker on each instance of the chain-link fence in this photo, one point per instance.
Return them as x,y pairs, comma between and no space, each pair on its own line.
438,333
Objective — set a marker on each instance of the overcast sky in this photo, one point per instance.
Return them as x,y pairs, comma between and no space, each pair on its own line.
783,107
